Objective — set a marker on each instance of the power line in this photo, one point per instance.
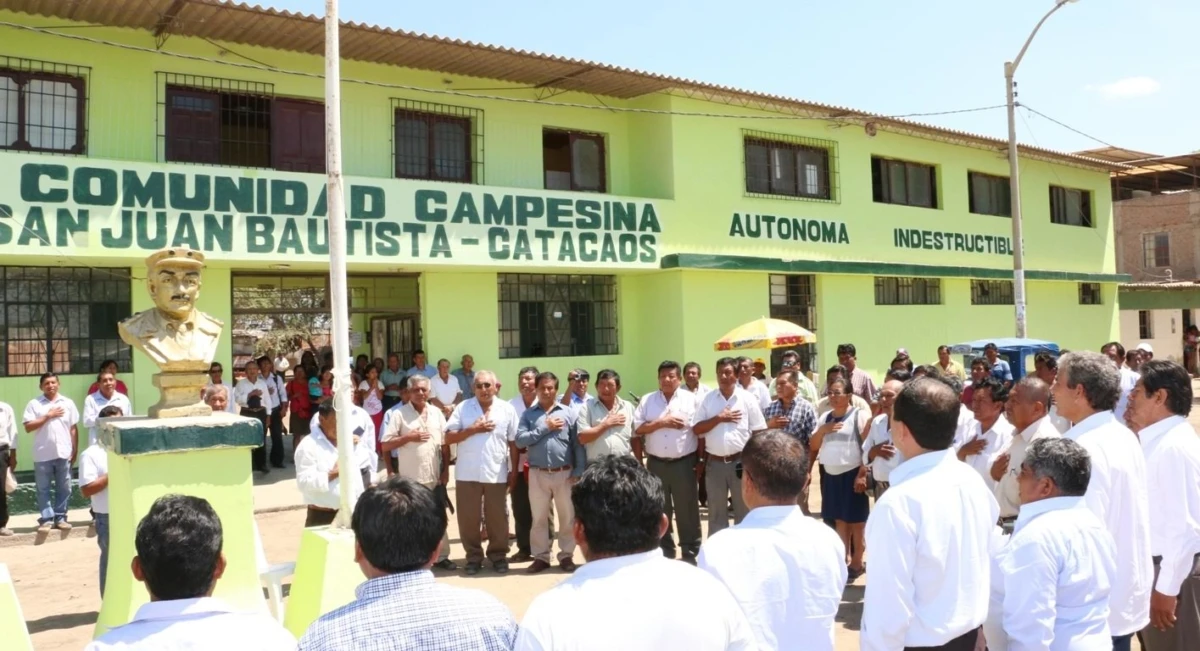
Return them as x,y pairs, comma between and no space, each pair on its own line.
1068,127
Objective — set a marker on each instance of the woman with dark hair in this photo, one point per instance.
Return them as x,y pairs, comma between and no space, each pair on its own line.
370,396
837,444
299,405
902,363
111,366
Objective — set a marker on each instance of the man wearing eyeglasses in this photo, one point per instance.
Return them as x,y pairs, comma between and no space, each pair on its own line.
483,427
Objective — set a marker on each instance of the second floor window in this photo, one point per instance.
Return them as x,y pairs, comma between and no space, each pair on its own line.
1070,207
41,111
989,195
437,144
573,160
904,183
1156,250
787,168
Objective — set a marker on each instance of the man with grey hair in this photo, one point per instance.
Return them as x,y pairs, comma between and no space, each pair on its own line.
1028,409
1051,583
217,397
1086,391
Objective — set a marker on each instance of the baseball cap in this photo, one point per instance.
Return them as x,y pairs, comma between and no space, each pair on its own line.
1146,347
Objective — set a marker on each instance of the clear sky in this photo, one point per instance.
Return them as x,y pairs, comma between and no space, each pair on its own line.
1122,71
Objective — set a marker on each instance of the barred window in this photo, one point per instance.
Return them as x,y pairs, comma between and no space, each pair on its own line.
42,106
1089,294
793,298
543,315
1145,325
1156,250
62,319
991,292
437,142
908,291
789,166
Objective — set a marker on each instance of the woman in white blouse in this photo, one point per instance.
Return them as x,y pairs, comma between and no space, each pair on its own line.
370,395
838,446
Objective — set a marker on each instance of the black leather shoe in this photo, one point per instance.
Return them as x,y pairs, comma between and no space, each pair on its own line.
501,567
446,564
473,568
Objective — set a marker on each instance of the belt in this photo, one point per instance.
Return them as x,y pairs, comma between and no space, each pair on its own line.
671,460
729,459
558,469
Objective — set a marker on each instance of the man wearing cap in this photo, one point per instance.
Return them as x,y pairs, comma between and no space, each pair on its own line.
1147,351
175,335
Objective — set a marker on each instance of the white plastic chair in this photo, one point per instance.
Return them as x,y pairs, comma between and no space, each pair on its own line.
271,577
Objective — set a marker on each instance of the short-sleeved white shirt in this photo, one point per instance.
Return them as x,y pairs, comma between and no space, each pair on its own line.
667,443
483,457
727,439
53,440
445,391
93,464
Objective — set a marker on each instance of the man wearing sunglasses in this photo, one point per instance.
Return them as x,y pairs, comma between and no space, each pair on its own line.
576,397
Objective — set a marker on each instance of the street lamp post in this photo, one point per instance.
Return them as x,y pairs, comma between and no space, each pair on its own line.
1014,180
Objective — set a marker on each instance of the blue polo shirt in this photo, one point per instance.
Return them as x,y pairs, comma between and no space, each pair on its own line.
1002,371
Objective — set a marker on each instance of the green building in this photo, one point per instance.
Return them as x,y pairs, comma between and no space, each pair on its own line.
523,208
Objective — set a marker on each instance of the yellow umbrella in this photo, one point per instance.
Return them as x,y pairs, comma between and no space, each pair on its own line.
765,333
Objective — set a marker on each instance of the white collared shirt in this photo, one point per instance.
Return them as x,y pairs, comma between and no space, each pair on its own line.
1006,489
8,426
726,439
204,624
315,457
483,457
759,390
418,461
998,437
1117,494
231,404
786,570
1173,482
446,391
52,440
95,403
363,427
930,536
1061,424
1129,380
880,433
241,392
702,390
690,610
1054,577
93,464
668,443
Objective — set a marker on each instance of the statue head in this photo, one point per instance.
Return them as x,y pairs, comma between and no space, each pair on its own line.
173,278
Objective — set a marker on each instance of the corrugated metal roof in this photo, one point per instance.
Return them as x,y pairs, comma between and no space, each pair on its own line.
1171,286
254,25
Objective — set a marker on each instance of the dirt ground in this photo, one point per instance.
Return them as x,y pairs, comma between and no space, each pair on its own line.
57,583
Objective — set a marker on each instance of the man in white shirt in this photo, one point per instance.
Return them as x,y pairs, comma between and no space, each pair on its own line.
179,559
786,571
691,380
317,470
929,535
619,522
417,432
363,430
276,409
756,387
725,419
1159,406
1116,352
664,421
253,400
8,459
1028,409
1086,391
483,428
445,391
878,450
522,510
1056,572
1046,369
93,483
215,373
990,433
52,418
104,396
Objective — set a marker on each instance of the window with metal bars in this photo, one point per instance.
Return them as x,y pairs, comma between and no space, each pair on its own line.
573,160
1145,325
1156,250
43,106
907,291
789,166
989,195
437,142
1089,294
1070,207
991,292
792,298
543,315
62,319
904,183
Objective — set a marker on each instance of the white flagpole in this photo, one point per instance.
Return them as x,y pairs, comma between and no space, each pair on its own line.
350,484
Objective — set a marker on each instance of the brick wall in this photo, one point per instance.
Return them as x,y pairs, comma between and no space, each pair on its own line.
1178,215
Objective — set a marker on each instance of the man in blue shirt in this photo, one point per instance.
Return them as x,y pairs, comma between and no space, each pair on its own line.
556,459
420,367
1000,368
466,375
391,377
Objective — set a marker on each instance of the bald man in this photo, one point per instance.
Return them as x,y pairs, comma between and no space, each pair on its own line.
1028,410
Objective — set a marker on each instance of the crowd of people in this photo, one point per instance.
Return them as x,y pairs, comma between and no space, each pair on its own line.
998,511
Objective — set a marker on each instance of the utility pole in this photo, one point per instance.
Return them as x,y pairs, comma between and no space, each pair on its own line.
1014,173
350,484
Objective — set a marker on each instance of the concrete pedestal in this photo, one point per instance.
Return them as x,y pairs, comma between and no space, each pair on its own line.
12,622
179,395
325,578
201,456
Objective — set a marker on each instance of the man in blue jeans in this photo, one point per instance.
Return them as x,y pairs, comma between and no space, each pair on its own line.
93,483
52,418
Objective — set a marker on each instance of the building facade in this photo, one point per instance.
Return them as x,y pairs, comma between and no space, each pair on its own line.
521,208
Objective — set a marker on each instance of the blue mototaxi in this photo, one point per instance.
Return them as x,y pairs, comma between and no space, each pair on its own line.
1018,353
